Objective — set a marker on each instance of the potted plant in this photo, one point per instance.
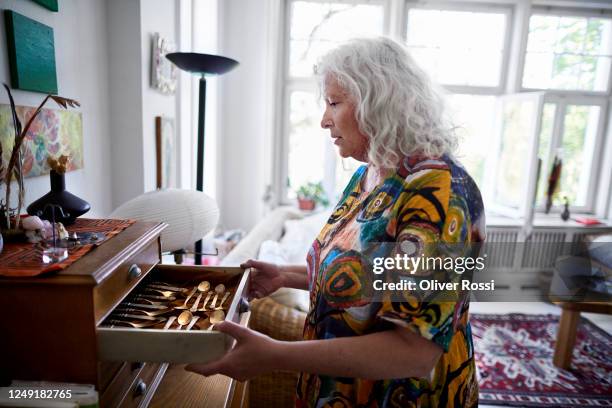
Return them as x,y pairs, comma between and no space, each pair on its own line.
9,217
311,194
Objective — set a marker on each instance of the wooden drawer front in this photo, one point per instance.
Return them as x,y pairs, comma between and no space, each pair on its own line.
116,391
176,346
143,387
124,279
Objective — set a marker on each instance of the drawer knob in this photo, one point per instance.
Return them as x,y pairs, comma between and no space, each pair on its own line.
243,306
134,271
140,388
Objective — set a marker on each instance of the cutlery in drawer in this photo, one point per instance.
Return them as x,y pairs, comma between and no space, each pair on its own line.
143,306
170,288
138,325
138,317
147,312
151,298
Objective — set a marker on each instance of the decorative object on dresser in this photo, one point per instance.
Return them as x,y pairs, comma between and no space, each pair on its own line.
70,206
165,143
32,67
72,313
14,166
190,215
202,65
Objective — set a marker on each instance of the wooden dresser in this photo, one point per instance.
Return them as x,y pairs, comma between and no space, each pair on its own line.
48,324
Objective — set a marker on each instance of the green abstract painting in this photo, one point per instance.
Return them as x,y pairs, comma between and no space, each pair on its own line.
49,4
31,52
53,133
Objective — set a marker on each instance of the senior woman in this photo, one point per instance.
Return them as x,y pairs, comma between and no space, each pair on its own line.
381,109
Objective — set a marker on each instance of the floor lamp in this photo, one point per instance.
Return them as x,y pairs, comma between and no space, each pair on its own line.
202,65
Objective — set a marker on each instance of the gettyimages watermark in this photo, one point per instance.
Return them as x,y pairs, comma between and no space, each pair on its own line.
496,272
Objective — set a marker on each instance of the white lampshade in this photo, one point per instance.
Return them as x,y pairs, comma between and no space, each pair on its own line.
190,215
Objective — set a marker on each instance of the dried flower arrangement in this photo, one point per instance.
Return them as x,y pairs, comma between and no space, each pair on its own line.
14,166
58,165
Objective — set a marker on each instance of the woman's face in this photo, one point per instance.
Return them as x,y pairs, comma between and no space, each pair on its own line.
339,118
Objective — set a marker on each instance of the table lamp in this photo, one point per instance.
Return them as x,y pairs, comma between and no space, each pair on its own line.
202,65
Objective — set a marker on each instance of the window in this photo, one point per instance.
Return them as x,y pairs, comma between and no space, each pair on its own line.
314,28
459,54
568,52
561,71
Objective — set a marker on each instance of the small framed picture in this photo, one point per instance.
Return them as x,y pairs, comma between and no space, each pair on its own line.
163,72
166,146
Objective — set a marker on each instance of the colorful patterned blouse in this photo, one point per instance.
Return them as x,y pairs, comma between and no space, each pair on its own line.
425,201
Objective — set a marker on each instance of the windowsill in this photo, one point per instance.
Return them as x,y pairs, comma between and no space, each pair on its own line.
546,221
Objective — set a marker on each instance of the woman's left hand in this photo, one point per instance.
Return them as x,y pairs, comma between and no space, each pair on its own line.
252,355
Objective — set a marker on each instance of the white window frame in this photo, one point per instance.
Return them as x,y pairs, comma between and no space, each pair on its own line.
308,84
563,12
514,55
561,101
477,7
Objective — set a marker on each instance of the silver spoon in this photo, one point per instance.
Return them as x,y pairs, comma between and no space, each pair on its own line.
184,318
216,317
184,306
222,301
169,323
208,295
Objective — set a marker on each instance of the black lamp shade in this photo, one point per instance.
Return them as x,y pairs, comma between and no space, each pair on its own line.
202,63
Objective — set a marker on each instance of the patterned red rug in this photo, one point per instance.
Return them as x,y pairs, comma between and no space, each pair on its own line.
514,359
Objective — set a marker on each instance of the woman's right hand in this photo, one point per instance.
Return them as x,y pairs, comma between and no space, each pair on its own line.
265,278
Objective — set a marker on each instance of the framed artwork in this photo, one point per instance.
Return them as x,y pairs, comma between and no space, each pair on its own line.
48,4
166,146
54,132
32,67
163,72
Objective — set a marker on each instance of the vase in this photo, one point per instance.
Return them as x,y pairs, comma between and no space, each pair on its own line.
70,206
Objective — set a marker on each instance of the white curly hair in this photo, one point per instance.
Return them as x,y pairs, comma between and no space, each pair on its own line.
397,106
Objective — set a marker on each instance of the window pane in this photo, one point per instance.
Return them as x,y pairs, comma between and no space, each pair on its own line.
512,166
571,53
468,51
309,145
473,117
578,145
544,150
317,27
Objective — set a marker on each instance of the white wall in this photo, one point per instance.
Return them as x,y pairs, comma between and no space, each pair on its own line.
246,113
81,64
155,16
125,100
134,104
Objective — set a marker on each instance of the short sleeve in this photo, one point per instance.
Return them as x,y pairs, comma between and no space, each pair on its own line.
419,216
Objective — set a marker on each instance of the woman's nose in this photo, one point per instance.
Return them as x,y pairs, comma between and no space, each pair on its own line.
326,122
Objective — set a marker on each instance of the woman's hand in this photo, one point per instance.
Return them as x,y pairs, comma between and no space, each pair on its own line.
265,278
253,354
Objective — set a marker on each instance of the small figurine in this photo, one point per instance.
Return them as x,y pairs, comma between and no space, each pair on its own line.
565,215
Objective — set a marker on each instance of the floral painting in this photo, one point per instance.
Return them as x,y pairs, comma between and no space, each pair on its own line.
53,133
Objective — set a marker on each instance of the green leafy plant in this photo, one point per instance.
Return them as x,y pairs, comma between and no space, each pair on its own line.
314,192
15,163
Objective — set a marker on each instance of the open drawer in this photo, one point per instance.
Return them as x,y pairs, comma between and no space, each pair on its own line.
119,341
